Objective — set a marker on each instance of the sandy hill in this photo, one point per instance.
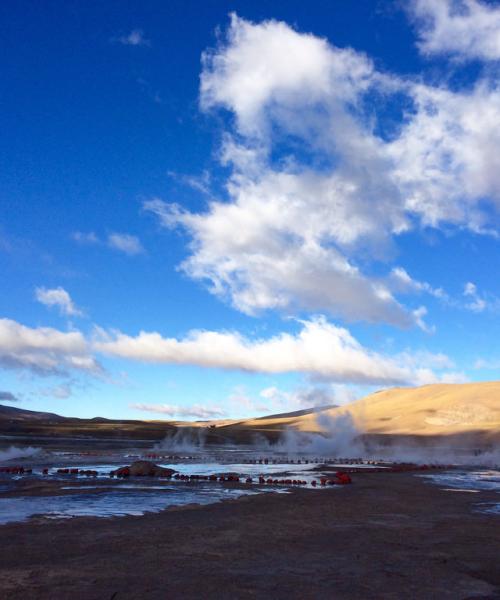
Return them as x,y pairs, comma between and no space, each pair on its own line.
433,410
452,412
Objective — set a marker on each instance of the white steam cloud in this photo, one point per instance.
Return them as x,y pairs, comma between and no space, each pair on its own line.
15,453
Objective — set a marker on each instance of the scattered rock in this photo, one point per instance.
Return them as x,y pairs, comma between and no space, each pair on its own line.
144,468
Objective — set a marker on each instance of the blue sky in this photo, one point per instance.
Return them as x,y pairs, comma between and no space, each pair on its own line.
225,209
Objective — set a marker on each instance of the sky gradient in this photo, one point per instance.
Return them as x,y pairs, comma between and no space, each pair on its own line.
229,209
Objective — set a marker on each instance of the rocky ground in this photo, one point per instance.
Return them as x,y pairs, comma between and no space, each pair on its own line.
384,537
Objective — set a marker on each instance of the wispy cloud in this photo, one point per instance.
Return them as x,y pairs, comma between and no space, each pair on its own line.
487,363
89,238
201,183
134,38
173,411
124,242
476,304
479,302
401,281
419,314
60,392
59,298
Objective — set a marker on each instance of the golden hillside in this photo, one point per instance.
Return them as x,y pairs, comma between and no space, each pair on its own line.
431,410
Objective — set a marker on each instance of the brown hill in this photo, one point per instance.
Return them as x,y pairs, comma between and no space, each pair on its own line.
449,412
446,411
20,422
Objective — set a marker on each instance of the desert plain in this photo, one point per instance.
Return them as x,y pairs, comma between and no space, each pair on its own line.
392,533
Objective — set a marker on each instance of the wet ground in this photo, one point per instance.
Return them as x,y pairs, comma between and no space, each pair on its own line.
472,481
386,536
55,495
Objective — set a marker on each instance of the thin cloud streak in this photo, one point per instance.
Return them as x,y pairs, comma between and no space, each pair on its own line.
59,298
134,38
171,410
126,243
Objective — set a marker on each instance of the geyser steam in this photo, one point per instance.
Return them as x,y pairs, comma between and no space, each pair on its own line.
189,439
13,452
340,436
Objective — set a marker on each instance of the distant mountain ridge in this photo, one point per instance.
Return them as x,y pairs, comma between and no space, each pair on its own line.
439,411
21,414
465,411
299,413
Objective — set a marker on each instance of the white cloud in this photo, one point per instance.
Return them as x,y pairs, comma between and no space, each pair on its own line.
301,231
171,410
257,262
124,242
59,298
202,183
44,350
310,397
240,402
61,392
275,400
134,38
482,363
419,314
319,349
476,304
468,29
271,64
452,377
88,238
446,158
282,241
401,281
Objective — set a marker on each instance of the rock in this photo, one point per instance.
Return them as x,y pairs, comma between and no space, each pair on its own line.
144,468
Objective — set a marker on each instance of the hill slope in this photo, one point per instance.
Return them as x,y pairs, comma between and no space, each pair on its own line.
433,411
442,411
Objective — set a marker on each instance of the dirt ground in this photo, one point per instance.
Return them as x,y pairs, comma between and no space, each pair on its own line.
386,536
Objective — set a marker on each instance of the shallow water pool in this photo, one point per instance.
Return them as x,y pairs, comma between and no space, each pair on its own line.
114,503
470,481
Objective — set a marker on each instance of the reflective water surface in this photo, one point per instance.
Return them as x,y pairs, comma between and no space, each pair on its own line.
113,503
65,495
470,481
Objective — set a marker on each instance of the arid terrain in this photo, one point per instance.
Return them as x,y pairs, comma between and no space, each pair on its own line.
382,537
388,535
453,414
456,413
